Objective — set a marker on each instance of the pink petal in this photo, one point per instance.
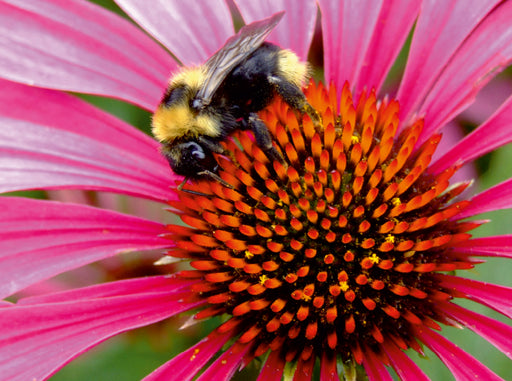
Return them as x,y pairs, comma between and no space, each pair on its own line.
53,140
125,287
148,209
304,370
452,135
495,93
328,368
494,133
144,208
52,334
40,239
495,198
187,364
226,365
295,31
52,285
375,369
497,246
402,364
494,331
393,26
482,55
499,298
273,368
462,365
348,27
191,30
439,32
77,46
76,196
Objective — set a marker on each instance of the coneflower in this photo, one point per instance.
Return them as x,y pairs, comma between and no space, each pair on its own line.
344,257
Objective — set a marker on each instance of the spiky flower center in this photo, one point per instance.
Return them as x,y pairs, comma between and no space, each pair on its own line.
336,252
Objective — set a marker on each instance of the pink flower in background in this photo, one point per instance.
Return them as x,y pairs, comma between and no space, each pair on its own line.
342,257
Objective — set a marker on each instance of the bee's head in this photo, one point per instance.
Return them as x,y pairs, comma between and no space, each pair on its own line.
189,158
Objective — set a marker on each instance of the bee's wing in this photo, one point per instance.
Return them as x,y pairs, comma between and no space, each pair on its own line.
234,51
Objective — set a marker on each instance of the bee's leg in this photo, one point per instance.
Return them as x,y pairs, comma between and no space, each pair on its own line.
263,138
216,147
212,145
215,177
294,97
205,173
180,188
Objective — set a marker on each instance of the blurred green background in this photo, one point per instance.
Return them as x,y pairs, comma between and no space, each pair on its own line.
132,356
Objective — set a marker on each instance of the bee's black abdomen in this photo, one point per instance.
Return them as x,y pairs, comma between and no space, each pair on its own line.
247,85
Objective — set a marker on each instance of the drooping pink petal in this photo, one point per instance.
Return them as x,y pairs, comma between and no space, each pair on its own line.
374,367
499,298
304,370
125,287
273,368
402,364
187,364
497,246
439,32
395,21
54,108
452,135
149,209
462,365
295,30
328,368
140,207
486,52
495,198
78,46
227,364
348,28
494,93
494,331
76,196
40,239
494,133
191,30
52,285
50,139
52,334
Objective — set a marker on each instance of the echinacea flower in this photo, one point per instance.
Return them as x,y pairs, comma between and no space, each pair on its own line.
345,256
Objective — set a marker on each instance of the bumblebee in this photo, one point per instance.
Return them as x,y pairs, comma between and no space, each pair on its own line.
203,105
